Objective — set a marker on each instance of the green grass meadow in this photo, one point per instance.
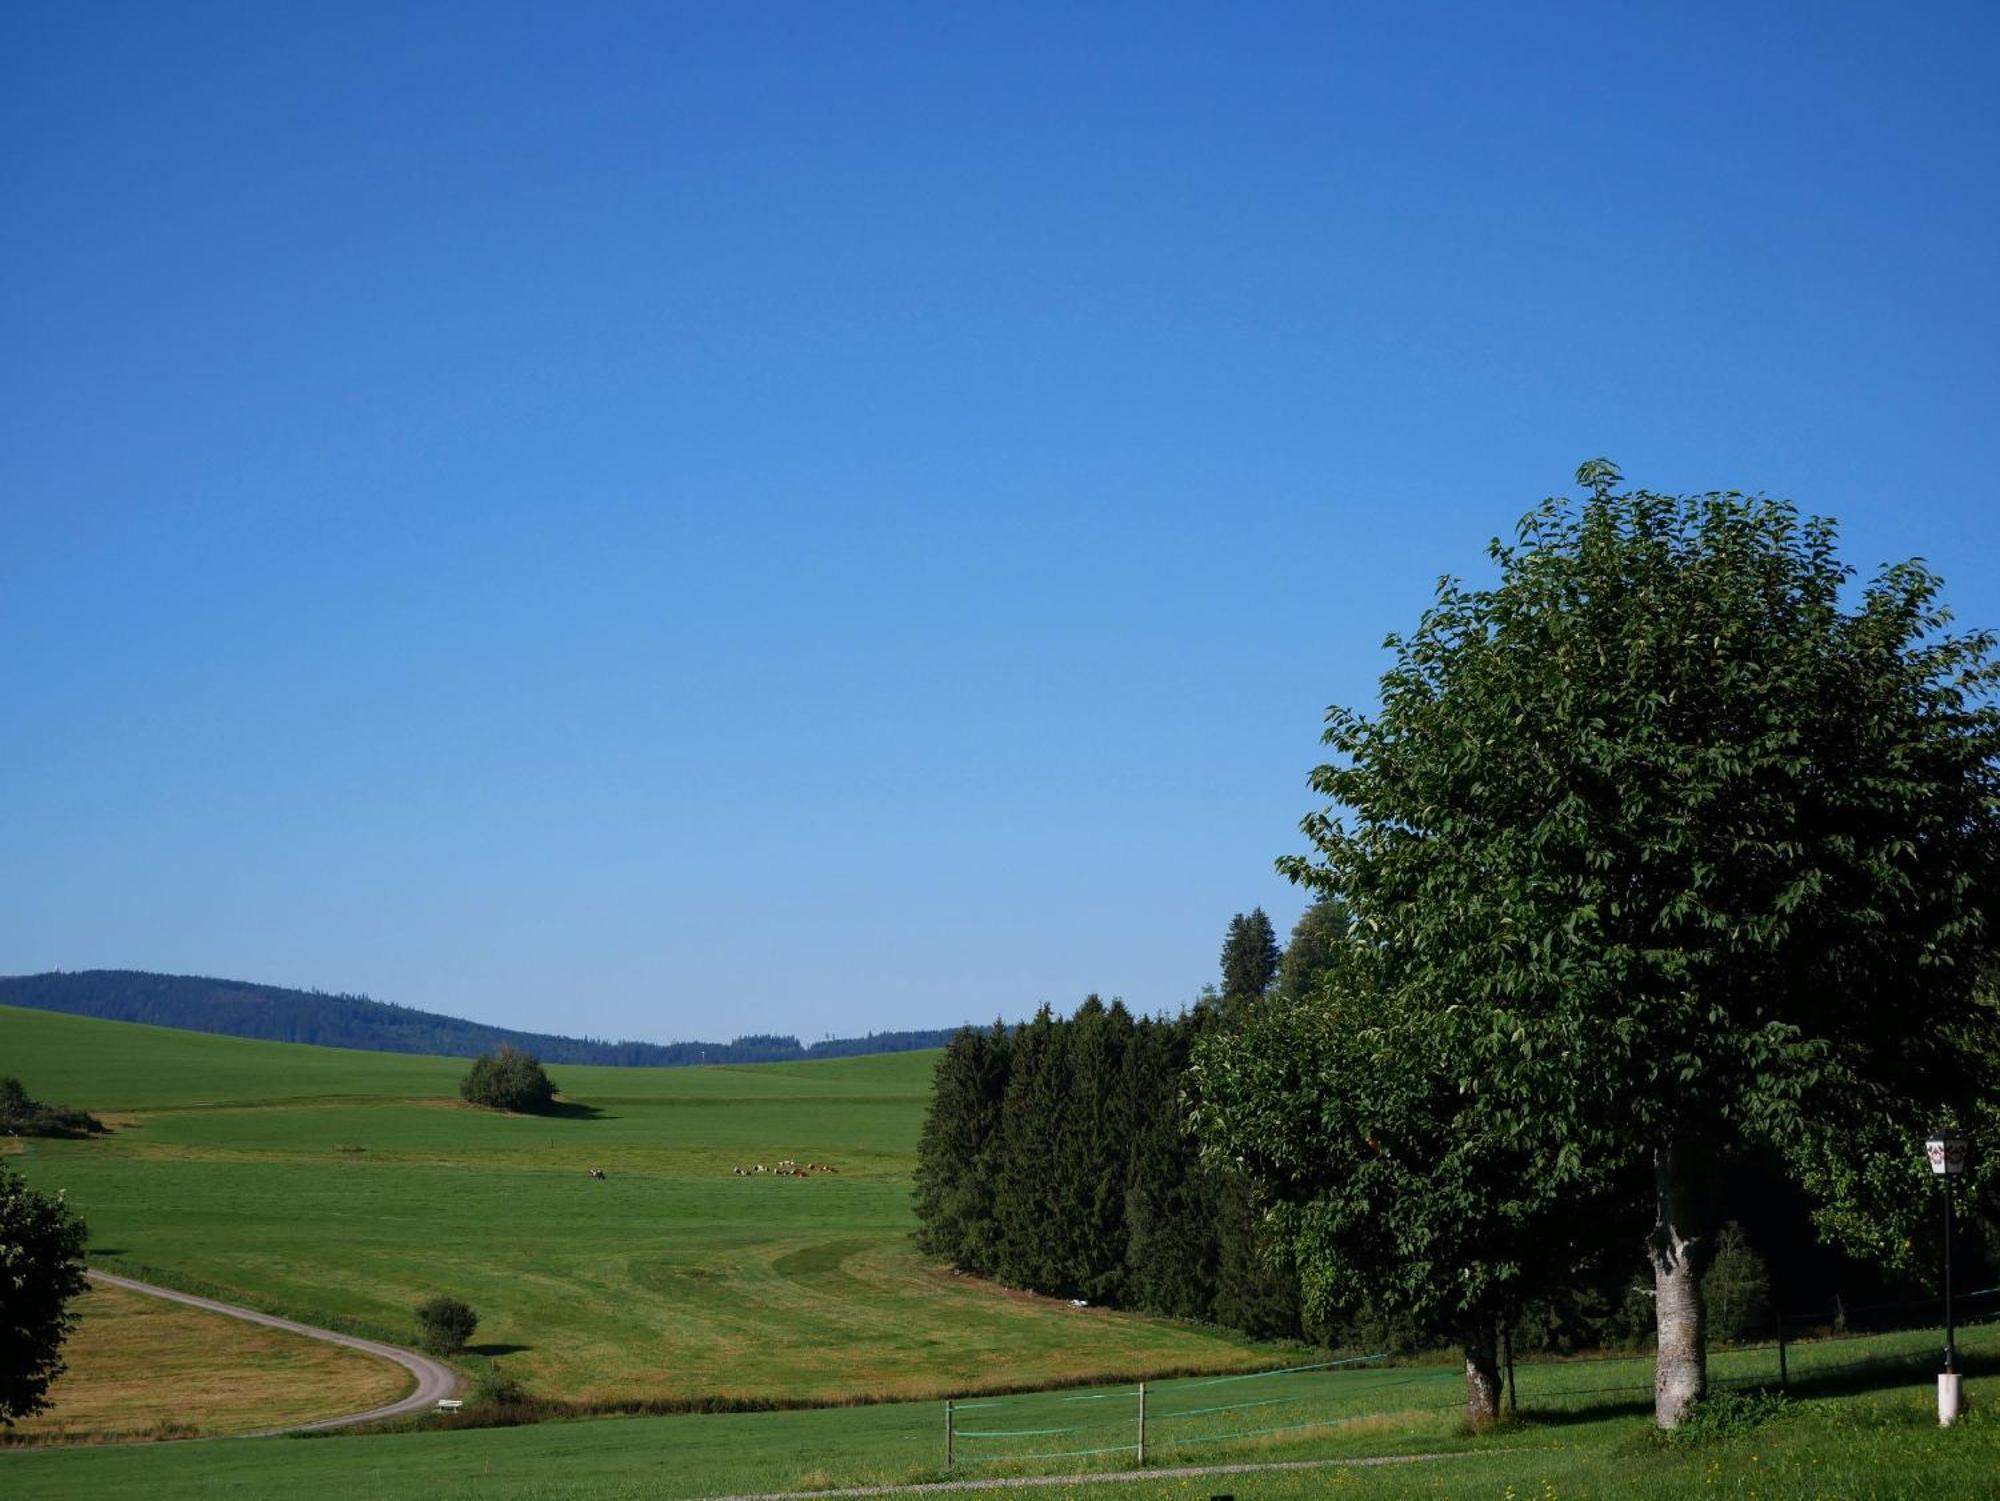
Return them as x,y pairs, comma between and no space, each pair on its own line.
1861,1424
343,1187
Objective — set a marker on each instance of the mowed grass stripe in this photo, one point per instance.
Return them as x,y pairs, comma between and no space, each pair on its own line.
144,1367
341,1188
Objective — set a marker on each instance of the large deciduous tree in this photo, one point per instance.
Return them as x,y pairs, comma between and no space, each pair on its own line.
1398,1192
1672,839
1317,939
41,1271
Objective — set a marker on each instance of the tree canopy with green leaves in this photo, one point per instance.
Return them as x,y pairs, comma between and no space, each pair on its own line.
508,1079
1317,938
1395,1191
41,1272
1669,840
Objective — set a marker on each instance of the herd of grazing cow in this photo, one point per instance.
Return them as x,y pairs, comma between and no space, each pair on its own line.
785,1169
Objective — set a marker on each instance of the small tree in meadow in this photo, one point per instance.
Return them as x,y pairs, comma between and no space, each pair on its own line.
445,1324
508,1079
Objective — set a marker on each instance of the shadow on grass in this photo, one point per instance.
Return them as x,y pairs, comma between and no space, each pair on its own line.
574,1110
1868,1373
1876,1372
494,1352
1534,1416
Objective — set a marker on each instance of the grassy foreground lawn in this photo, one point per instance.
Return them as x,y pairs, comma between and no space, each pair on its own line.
1878,1441
1870,1449
343,1187
144,1368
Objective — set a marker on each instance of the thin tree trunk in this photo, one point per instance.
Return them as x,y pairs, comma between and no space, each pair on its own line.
1482,1376
1681,1248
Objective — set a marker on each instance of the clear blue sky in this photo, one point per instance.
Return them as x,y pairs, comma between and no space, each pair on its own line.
666,521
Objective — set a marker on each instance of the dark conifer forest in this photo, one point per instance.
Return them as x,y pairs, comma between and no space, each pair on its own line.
1059,1156
1055,1158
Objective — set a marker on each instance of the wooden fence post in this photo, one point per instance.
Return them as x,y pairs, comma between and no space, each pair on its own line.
947,1433
1142,1425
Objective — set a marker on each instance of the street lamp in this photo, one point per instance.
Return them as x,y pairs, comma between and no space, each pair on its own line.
1947,1151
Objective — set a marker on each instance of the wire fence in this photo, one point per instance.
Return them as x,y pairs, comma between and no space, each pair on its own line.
1155,1417
1149,1418
1819,1350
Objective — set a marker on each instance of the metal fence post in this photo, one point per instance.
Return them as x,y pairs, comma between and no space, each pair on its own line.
1142,1424
947,1433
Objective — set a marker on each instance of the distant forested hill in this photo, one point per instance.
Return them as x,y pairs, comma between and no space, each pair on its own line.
239,1009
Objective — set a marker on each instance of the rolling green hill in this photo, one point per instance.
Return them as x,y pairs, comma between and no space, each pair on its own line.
238,1008
343,1187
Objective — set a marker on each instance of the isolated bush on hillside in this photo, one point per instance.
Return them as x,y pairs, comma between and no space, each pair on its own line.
508,1079
41,1270
21,1116
494,1387
445,1324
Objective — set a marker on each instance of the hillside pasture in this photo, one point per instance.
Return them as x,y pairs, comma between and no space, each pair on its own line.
142,1367
342,1188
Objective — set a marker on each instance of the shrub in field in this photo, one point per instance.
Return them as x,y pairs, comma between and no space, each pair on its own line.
508,1079
21,1116
445,1324
497,1388
1724,1415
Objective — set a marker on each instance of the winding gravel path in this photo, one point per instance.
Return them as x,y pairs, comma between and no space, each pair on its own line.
434,1379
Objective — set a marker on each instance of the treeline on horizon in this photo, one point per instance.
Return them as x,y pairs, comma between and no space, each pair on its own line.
273,1013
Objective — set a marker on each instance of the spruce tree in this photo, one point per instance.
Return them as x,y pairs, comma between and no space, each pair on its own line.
958,1152
1170,1250
1250,957
1095,1140
1025,1207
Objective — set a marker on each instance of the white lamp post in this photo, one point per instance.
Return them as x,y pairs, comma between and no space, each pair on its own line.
1947,1150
